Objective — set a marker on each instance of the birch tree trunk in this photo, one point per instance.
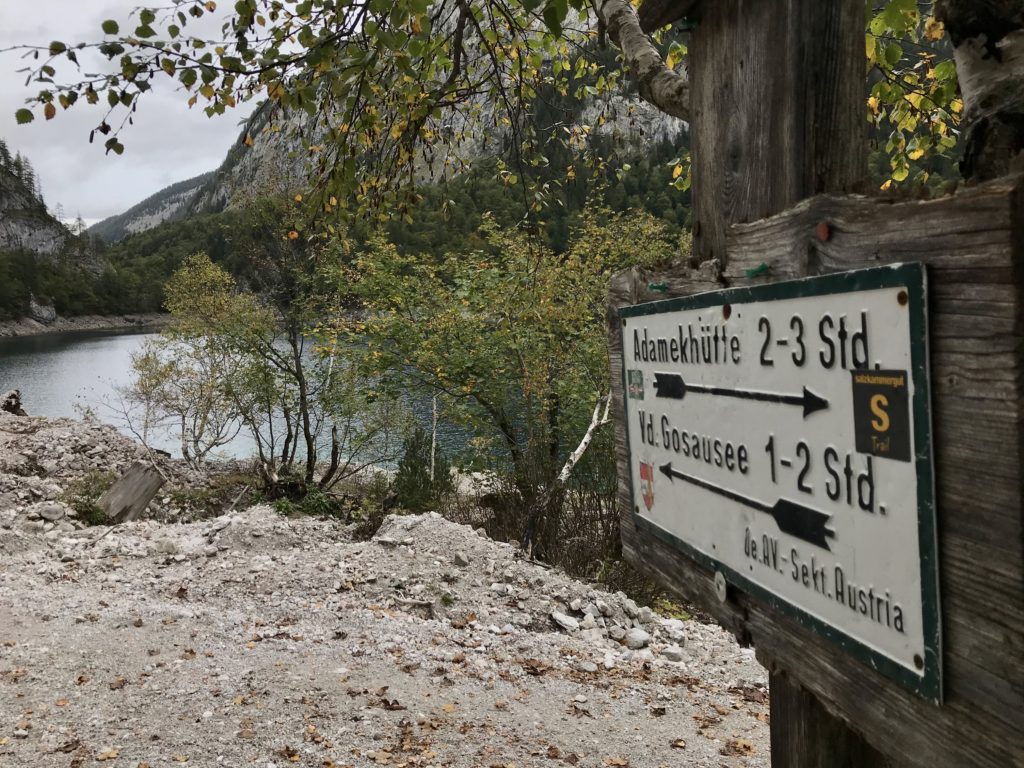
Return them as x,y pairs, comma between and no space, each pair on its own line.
988,40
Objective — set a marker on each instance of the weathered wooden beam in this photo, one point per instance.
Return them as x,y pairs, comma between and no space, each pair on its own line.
973,245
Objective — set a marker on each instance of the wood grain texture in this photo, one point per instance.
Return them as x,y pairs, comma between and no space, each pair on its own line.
777,103
973,244
797,731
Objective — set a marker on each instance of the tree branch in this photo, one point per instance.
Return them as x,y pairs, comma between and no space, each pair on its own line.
658,85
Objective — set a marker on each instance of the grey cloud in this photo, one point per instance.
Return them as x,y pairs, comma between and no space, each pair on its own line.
167,143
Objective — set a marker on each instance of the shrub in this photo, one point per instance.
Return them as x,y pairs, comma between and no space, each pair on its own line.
83,493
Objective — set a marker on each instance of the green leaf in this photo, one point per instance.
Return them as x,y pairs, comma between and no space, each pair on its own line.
115,146
146,16
24,116
553,19
110,27
57,48
945,70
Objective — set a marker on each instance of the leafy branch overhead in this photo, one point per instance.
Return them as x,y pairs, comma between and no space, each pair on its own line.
385,86
397,91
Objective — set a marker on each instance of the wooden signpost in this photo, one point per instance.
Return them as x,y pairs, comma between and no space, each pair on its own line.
823,383
780,436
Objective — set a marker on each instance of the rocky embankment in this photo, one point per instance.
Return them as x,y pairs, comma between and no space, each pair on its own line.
253,639
46,323
45,464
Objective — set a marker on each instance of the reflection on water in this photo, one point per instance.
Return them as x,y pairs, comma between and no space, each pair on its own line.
63,374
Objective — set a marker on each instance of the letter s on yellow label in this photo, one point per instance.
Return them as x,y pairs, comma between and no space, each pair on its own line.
878,406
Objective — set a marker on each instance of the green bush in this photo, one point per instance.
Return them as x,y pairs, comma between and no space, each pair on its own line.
413,487
83,493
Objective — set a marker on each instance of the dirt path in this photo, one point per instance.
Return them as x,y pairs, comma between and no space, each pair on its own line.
259,641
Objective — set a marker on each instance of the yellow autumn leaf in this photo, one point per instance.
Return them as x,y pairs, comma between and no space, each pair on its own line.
956,106
677,171
248,140
916,154
298,198
933,28
886,186
50,111
293,235
873,104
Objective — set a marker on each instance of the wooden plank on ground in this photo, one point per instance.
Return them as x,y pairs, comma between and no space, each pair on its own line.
129,496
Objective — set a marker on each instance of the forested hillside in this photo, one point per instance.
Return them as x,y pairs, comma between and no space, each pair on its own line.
40,258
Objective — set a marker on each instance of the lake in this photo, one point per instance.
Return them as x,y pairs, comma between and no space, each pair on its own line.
64,374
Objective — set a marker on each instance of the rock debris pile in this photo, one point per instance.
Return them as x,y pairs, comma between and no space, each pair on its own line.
252,639
42,459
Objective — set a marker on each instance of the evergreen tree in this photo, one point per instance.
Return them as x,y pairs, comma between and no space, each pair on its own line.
5,155
28,175
415,488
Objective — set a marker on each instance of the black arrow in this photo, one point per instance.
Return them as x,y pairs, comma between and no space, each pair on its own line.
804,523
669,385
672,385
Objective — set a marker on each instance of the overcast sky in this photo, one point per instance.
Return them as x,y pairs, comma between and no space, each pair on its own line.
168,143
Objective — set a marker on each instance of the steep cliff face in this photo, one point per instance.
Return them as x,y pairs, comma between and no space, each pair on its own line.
25,223
169,204
270,163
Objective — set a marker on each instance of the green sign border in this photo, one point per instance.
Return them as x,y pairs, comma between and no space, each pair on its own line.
912,277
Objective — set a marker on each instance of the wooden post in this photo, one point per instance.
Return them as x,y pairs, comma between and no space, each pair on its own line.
778,110
778,116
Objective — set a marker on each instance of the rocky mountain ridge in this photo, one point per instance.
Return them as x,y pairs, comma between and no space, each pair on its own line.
268,155
169,204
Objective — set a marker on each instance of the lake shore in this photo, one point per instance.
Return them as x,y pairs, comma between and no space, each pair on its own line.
28,327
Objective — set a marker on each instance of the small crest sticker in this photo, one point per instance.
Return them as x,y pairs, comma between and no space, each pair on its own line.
647,484
635,384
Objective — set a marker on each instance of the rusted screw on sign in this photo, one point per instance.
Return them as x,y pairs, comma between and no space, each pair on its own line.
824,231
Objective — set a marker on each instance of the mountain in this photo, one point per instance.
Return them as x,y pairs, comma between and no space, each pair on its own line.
169,204
268,157
25,224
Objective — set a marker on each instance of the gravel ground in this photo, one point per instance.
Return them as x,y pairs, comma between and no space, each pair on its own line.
254,640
